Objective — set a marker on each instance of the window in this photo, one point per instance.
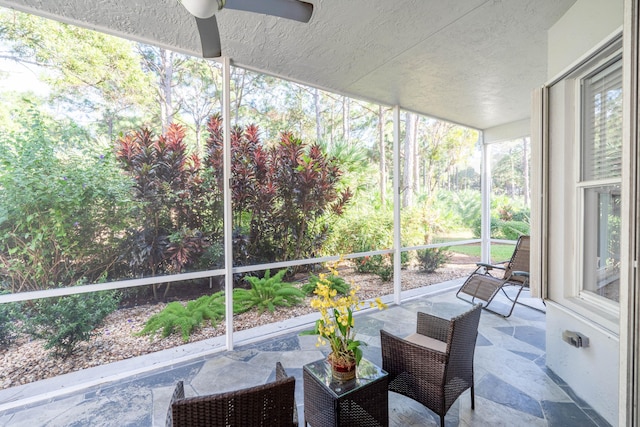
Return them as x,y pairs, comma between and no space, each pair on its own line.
600,179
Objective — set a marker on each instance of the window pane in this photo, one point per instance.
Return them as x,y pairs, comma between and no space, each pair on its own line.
602,241
602,123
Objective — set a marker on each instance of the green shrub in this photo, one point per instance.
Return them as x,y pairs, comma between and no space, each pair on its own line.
465,205
266,293
66,321
62,205
380,265
425,219
431,259
363,227
508,230
186,318
10,313
511,230
335,282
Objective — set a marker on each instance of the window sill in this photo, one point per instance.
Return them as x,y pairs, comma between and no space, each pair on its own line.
591,313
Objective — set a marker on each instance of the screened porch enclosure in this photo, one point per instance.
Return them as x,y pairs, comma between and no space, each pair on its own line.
403,194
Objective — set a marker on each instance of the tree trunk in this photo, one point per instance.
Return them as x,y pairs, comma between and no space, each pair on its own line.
346,124
166,76
383,173
525,171
409,158
416,162
239,93
316,101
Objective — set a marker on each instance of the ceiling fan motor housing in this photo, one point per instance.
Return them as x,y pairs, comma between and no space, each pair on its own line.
203,8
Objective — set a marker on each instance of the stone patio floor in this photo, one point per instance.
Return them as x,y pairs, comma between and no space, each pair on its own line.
513,385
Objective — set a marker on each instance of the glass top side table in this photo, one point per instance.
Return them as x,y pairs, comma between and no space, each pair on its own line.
362,401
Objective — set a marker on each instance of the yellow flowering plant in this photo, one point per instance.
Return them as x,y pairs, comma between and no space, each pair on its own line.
336,323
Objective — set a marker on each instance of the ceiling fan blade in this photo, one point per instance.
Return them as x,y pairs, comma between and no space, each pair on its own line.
209,37
289,9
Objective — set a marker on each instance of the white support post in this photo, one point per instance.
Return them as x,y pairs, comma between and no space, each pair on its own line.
228,212
485,190
397,241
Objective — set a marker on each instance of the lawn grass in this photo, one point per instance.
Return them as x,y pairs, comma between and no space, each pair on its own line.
499,253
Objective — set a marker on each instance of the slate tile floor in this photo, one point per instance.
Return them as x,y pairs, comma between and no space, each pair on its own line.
513,386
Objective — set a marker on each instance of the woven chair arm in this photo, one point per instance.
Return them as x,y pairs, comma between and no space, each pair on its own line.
178,394
520,273
432,326
281,374
223,396
399,355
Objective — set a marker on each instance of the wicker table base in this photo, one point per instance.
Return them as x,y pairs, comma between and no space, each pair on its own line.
361,402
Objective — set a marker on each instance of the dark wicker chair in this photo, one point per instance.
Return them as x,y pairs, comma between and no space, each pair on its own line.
484,284
434,366
267,405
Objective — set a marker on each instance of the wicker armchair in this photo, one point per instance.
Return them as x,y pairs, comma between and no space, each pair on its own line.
267,405
434,366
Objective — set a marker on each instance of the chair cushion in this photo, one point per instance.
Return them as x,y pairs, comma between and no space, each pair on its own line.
425,341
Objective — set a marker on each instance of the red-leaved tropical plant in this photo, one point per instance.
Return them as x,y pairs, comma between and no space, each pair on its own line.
280,195
279,192
165,182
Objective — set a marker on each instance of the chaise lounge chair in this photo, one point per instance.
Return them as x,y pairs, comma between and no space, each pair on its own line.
489,279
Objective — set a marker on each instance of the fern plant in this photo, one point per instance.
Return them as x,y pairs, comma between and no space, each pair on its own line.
333,281
177,316
266,293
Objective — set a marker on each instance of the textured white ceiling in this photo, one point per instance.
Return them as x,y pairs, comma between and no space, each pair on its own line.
473,62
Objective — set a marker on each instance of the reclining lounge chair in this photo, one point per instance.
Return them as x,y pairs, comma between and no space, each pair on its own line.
489,279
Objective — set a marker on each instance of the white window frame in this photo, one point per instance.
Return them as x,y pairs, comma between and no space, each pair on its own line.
609,306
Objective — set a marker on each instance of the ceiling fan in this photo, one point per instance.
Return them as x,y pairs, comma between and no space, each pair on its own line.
205,10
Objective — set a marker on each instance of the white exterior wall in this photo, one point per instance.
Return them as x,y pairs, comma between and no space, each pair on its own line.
586,24
507,131
591,372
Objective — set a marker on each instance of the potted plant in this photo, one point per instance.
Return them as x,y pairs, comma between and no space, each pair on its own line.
336,325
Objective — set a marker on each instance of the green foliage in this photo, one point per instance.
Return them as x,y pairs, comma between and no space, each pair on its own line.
353,161
432,258
511,230
94,74
420,222
61,204
66,321
331,280
363,227
177,316
10,313
509,160
379,265
267,293
466,205
509,220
